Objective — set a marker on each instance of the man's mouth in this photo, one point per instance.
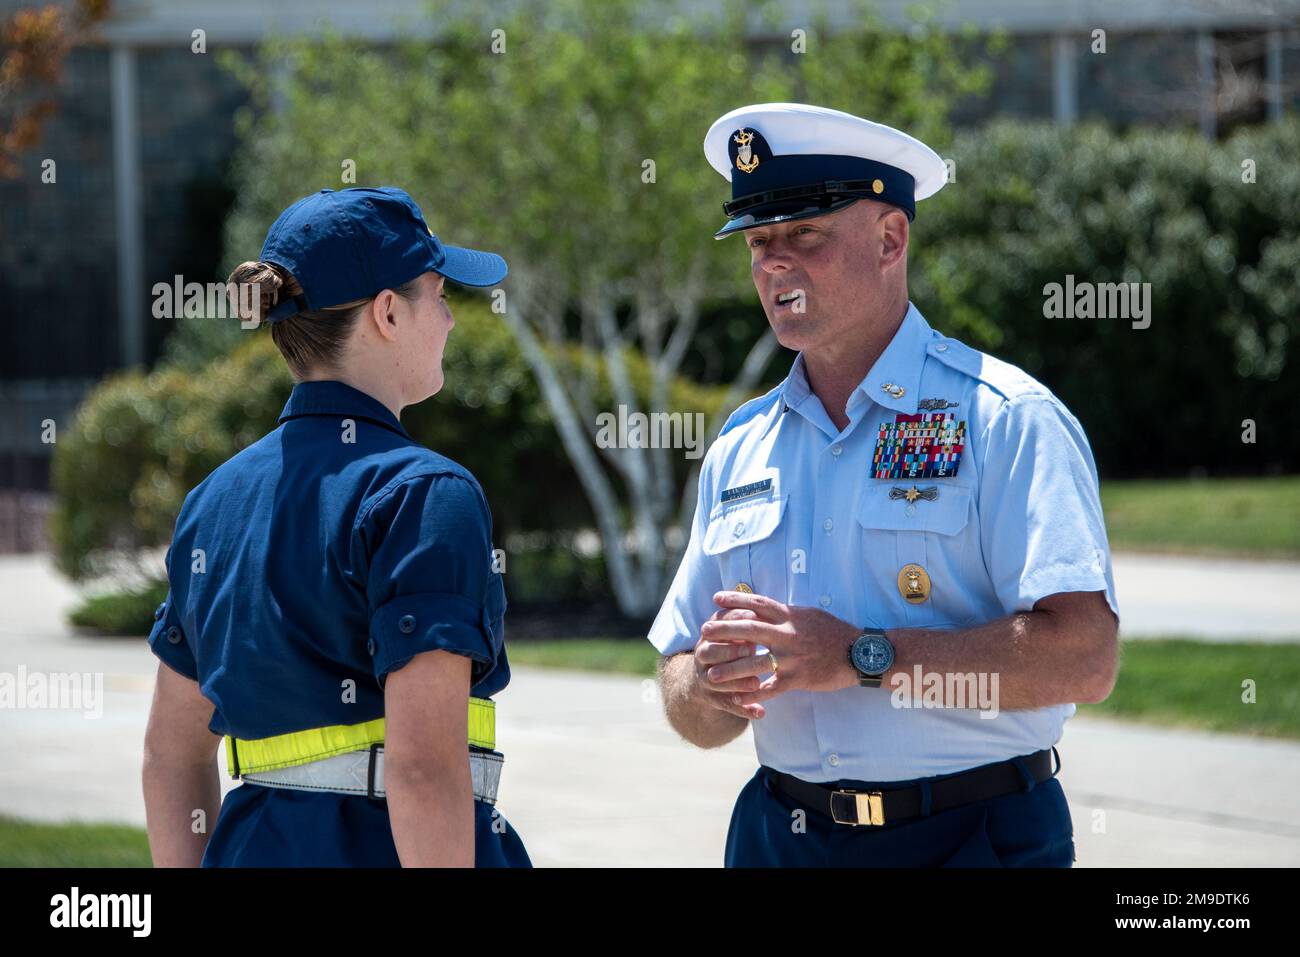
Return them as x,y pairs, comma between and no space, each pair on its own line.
789,298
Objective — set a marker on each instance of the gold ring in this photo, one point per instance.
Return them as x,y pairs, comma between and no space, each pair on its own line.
772,658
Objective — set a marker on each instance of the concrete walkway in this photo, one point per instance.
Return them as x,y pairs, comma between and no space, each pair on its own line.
594,776
1223,599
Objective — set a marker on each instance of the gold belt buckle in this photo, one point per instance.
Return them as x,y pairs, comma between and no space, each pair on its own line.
870,808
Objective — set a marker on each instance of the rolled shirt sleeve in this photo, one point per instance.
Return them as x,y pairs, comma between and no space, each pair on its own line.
431,585
689,602
1041,520
167,638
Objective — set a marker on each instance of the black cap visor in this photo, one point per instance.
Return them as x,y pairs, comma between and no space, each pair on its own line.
781,213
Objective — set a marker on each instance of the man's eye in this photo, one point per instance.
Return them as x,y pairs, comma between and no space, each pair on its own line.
755,243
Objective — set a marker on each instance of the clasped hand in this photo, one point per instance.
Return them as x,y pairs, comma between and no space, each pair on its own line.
810,647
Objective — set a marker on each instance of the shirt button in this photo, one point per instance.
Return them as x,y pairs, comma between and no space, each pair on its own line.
910,511
370,647
836,449
941,347
406,624
833,760
828,524
739,529
826,601
174,635
158,612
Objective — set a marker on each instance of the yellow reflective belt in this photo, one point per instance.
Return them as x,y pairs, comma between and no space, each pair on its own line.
303,747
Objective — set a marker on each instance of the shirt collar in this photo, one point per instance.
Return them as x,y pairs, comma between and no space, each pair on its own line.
331,397
894,379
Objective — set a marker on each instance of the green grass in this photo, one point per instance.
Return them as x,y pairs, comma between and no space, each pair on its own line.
1196,684
1257,516
632,656
27,844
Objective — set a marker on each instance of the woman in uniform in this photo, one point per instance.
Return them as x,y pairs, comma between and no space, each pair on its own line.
333,611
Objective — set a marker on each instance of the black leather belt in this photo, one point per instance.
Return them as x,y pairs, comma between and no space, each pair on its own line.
889,806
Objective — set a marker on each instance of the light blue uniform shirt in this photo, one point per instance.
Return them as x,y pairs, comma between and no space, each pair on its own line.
1020,520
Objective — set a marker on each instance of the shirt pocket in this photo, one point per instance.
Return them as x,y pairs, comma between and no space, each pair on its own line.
935,535
747,540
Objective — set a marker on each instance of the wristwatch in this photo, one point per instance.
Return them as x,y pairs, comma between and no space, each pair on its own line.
871,655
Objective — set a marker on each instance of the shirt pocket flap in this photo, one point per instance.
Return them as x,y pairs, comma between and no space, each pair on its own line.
946,514
743,524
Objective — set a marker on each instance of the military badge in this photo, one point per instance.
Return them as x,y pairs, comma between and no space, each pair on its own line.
746,161
914,584
936,405
919,446
913,493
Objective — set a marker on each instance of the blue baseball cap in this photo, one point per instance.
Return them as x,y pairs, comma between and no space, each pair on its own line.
349,244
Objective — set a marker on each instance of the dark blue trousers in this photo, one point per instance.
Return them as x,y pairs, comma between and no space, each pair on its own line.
278,827
1030,828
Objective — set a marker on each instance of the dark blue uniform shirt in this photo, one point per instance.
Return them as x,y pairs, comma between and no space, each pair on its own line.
302,571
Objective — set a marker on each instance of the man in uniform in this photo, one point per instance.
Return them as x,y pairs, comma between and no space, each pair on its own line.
898,572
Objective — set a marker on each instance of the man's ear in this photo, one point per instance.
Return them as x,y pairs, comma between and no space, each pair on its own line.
893,238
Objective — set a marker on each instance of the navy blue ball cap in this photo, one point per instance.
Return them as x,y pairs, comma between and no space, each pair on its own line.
350,244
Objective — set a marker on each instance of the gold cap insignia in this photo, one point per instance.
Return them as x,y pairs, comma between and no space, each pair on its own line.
746,161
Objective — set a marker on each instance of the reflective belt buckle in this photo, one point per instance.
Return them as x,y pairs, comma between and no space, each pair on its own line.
869,808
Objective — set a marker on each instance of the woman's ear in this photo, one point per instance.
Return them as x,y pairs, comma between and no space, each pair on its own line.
379,313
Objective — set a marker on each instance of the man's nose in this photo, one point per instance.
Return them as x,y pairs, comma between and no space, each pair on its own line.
772,259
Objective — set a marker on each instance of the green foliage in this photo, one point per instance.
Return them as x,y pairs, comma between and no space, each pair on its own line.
540,150
1033,203
128,611
141,442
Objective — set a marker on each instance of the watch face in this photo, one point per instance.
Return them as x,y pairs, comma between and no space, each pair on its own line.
872,655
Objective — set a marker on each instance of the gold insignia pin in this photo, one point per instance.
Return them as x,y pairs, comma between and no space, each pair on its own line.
877,187
743,586
914,493
746,161
896,391
914,584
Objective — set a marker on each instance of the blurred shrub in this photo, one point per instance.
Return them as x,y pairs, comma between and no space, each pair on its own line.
128,611
141,442
1033,203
